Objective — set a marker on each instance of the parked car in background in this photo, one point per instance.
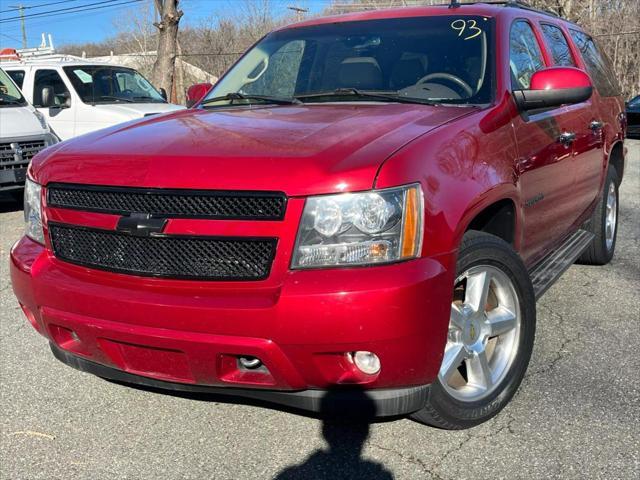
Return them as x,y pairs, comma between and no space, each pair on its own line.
364,206
23,133
197,92
633,118
77,96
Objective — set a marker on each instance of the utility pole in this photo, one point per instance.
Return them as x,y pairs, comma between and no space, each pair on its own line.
20,8
299,12
163,73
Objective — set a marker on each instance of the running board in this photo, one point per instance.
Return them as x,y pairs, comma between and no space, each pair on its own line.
548,270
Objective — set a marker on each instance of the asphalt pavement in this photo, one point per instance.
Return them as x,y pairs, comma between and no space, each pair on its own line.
576,415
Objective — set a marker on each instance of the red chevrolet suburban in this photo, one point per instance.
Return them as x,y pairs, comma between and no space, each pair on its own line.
365,205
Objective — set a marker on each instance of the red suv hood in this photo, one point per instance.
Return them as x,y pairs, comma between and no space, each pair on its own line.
300,150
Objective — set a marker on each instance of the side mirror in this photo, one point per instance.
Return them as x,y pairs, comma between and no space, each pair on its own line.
67,100
47,97
553,87
163,93
197,92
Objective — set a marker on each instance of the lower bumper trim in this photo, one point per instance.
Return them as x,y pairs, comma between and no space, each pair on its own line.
343,400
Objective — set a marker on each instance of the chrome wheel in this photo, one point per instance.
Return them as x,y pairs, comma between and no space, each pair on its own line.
484,330
611,216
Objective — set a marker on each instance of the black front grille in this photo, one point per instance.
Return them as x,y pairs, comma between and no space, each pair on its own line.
28,149
169,203
177,256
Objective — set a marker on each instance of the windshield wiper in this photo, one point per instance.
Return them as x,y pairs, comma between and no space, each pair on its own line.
148,99
11,101
241,96
110,97
354,92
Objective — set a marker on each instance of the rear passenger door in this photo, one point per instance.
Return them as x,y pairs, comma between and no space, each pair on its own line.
599,120
545,163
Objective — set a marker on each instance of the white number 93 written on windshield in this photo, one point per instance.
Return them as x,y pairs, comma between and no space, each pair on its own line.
467,29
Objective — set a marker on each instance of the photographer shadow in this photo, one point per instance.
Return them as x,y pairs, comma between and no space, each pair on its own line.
345,427
346,415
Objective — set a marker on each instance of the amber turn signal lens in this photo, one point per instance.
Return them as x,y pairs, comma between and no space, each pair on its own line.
412,227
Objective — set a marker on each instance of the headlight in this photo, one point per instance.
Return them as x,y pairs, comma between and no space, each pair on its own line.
32,211
379,226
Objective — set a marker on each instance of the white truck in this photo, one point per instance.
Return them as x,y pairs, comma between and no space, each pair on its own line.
23,133
78,96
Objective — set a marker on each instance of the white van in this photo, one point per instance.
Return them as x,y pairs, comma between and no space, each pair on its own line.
23,133
78,96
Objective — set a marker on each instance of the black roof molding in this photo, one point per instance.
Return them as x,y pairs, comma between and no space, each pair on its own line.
507,3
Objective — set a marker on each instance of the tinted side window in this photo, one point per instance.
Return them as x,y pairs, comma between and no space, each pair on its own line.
558,45
49,78
525,57
598,66
17,76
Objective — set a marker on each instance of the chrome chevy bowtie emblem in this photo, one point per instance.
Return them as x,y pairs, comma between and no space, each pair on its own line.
141,225
17,152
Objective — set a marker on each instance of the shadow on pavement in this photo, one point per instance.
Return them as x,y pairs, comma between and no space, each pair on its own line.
11,201
345,428
345,433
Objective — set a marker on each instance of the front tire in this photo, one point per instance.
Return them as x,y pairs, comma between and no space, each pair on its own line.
490,337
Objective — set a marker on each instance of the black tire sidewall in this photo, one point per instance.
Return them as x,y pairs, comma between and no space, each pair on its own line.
607,253
498,254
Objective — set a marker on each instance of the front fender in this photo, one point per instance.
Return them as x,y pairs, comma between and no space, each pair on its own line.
463,168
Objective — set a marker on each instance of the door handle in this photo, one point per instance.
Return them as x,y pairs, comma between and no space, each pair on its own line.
567,138
596,125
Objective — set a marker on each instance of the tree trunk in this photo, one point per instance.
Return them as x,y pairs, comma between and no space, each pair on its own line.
163,68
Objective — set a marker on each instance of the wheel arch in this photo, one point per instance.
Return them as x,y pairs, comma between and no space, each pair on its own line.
495,212
617,159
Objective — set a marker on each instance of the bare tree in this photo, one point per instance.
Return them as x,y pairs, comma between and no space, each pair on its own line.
135,32
164,68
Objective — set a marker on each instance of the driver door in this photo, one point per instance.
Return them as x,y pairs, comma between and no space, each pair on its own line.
60,116
545,161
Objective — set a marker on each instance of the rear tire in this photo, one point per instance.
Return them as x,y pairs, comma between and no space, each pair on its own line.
490,338
604,224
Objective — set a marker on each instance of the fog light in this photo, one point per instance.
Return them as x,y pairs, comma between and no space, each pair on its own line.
250,363
367,362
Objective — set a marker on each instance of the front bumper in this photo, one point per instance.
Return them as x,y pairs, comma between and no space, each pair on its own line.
188,335
13,179
15,158
368,403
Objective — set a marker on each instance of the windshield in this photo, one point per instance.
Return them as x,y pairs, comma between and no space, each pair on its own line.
106,84
10,95
440,59
635,102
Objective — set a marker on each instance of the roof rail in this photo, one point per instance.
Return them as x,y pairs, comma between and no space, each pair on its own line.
507,3
45,57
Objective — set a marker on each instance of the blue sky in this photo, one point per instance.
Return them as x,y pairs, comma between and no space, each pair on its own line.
96,25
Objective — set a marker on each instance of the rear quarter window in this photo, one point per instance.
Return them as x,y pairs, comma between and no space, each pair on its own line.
598,65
